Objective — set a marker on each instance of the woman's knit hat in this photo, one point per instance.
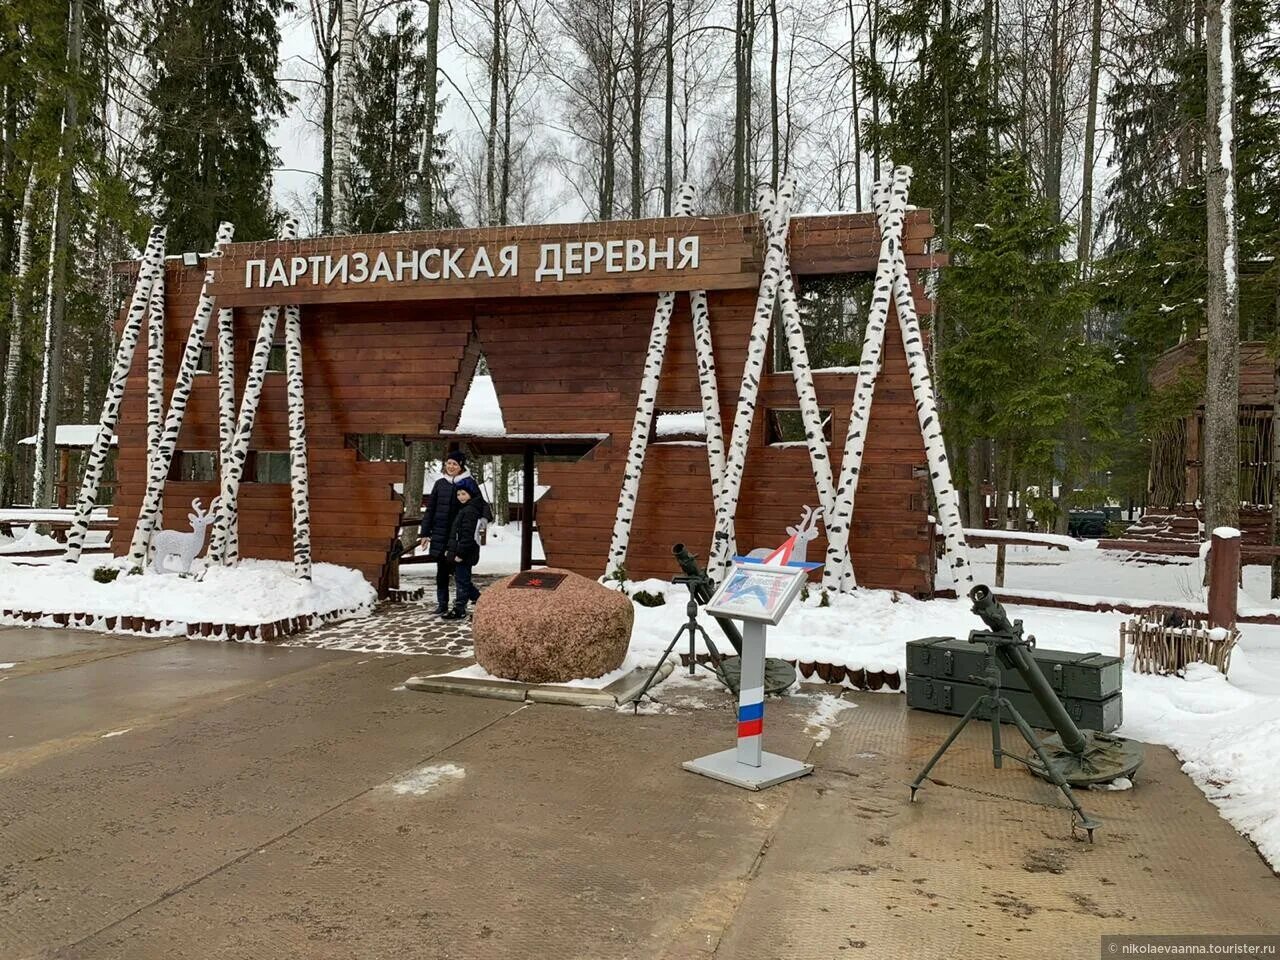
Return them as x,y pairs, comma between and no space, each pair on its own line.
458,457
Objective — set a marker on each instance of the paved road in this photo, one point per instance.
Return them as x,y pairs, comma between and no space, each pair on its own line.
201,800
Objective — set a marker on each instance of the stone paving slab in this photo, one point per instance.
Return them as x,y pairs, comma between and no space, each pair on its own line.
985,864
92,834
39,650
402,628
621,691
328,813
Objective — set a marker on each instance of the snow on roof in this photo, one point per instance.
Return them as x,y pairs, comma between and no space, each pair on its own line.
72,435
481,414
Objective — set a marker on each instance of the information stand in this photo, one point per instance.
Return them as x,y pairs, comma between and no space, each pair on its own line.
758,594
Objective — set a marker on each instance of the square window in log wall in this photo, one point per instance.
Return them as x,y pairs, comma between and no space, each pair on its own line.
194,466
275,359
270,466
391,447
205,363
785,427
833,312
684,427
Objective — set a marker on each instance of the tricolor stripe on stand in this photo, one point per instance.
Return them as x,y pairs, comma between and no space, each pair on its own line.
751,713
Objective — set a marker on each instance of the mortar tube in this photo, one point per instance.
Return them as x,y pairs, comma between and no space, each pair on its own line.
1072,739
703,591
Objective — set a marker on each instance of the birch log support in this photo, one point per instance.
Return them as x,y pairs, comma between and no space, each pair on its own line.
149,511
299,478
946,498
839,573
757,345
708,389
150,274
226,546
642,424
226,383
155,373
802,374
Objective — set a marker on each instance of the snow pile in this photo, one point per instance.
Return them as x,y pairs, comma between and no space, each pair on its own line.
1070,543
691,424
29,542
1226,732
254,591
423,779
481,415
72,435
826,711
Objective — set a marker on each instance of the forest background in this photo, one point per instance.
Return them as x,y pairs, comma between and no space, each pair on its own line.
1086,163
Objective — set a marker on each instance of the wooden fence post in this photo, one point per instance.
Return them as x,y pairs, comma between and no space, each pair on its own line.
1224,576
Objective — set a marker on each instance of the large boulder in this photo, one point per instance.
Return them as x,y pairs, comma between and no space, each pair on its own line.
533,634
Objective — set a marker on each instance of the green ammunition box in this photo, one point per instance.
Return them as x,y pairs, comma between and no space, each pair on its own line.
956,696
1076,676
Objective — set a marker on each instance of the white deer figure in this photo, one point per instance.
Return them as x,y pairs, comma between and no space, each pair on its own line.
806,532
185,545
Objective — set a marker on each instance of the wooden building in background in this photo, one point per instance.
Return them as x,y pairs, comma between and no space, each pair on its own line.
395,354
1177,447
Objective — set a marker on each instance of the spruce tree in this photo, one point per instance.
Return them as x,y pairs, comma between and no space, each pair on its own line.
391,115
213,97
1017,375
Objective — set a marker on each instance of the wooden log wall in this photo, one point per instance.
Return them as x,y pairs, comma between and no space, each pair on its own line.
564,364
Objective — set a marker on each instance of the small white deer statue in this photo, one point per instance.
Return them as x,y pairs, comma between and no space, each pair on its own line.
806,532
185,545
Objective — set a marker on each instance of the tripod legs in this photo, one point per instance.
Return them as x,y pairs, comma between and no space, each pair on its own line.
694,628
1055,775
663,659
997,705
964,721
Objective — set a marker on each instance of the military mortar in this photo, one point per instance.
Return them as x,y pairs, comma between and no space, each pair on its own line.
702,587
1070,757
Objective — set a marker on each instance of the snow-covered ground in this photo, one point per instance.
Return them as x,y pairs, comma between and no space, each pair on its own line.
1087,573
255,591
1225,730
498,557
26,540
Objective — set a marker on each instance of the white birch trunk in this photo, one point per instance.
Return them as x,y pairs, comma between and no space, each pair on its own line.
802,374
890,203
642,425
46,418
18,321
225,548
299,477
946,498
150,276
753,369
149,511
155,372
226,383
343,115
708,388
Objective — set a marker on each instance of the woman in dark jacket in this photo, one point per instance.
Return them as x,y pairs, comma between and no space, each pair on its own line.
437,519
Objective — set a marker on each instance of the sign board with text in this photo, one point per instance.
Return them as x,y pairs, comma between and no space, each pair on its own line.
684,253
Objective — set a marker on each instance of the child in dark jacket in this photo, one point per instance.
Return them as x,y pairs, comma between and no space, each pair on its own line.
463,548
